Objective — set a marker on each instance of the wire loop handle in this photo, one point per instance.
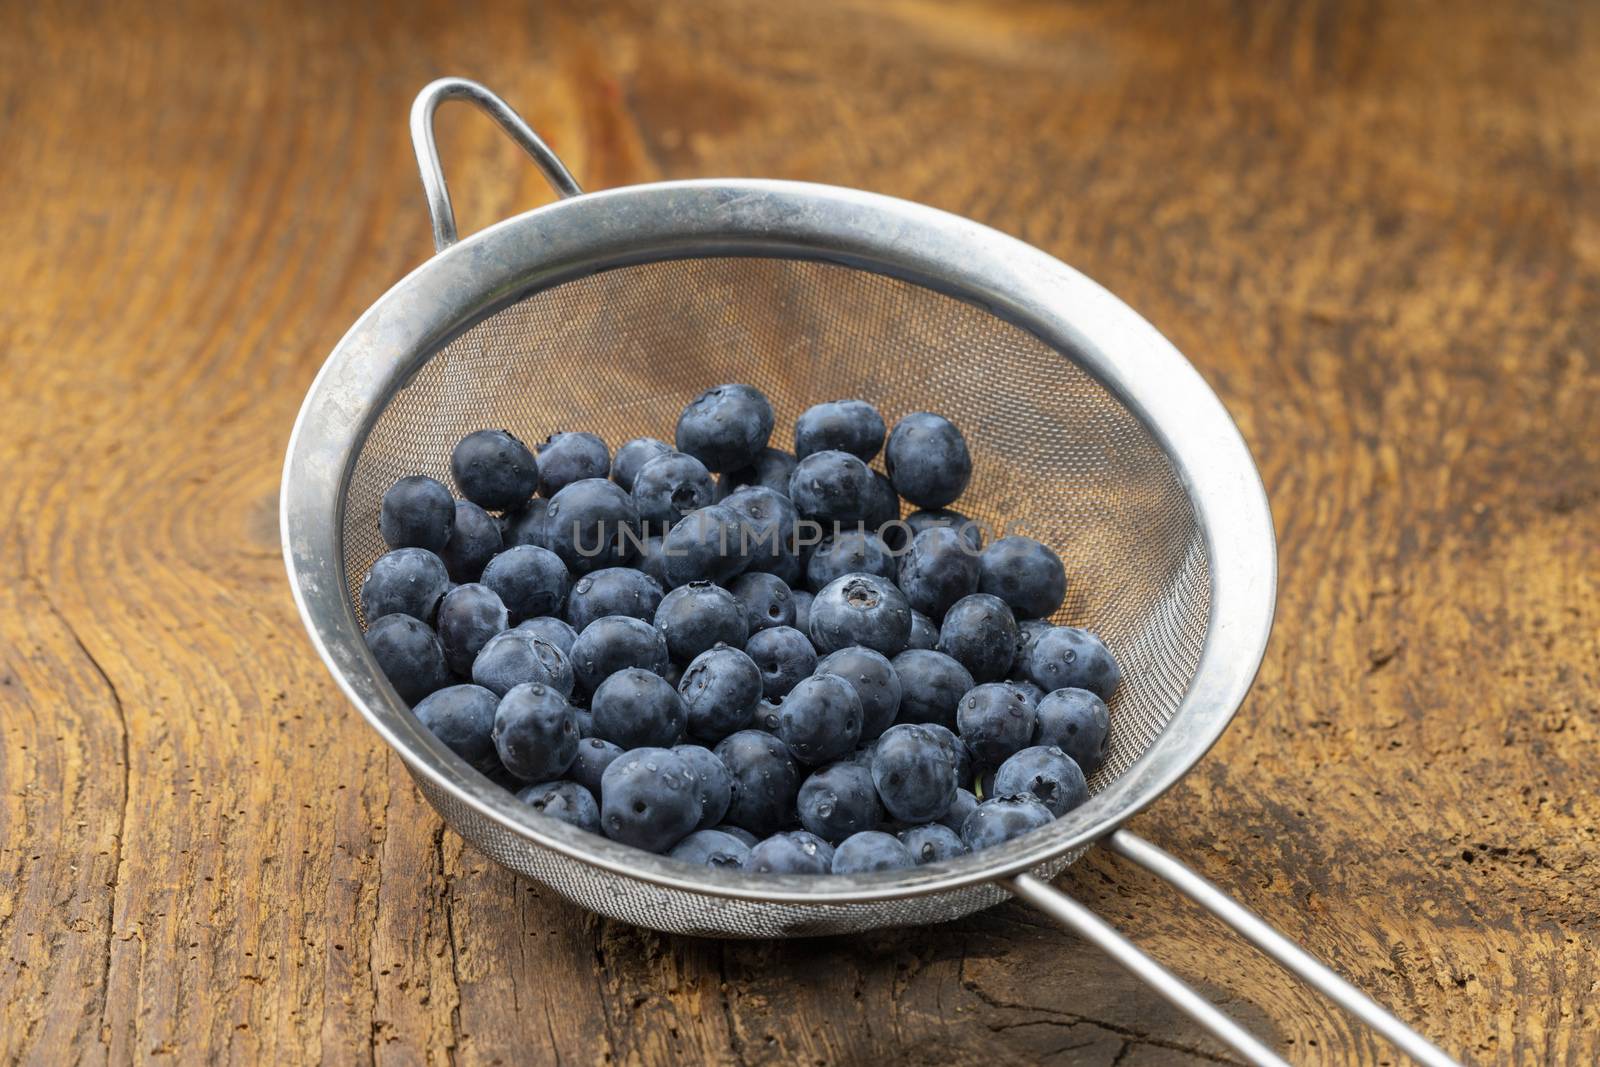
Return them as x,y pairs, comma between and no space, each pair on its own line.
427,149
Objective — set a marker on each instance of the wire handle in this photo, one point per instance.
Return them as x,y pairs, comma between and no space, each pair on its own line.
1247,924
422,140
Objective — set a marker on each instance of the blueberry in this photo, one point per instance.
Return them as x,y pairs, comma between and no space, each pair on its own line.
739,832
649,799
565,458
594,755
924,634
407,581
592,524
494,470
937,570
839,800
585,720
927,460
552,629
784,656
860,609
960,754
771,469
1027,630
650,561
871,850
632,457
1031,692
535,732
791,852
711,848
474,540
931,686
932,843
720,691
802,610
615,643
669,487
852,426
462,716
882,513
1064,657
713,781
960,808
928,518
831,488
409,654
820,719
914,773
525,526
1003,818
636,708
417,512
567,801
766,716
469,615
765,781
769,528
697,616
766,599
513,657
980,633
1025,574
995,721
705,545
1077,722
876,684
529,580
851,552
1046,772
726,428
612,591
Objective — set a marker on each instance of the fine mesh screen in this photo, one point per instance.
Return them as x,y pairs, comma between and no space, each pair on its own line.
1055,457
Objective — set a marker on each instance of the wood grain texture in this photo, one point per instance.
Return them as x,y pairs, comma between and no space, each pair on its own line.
1373,227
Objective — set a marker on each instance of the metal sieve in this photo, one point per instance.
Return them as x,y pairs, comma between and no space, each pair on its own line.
609,311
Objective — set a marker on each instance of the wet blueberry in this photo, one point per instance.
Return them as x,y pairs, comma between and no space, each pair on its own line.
771,470
669,487
851,552
765,781
937,570
927,460
852,426
592,524
820,719
839,800
525,526
924,634
512,657
711,848
1064,657
739,832
927,518
766,598
931,686
462,716
417,512
802,610
494,470
529,580
636,708
871,850
860,609
768,529
720,692
980,633
409,654
784,656
535,732
791,852
612,591
614,643
914,773
832,489
594,755
552,629
932,843
964,803
726,428
1025,574
706,545
648,799
474,540
565,458
407,581
995,721
469,615
713,781
1077,722
876,684
1048,774
697,616
996,821
567,801
882,512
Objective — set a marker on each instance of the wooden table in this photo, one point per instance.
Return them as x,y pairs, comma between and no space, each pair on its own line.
1374,228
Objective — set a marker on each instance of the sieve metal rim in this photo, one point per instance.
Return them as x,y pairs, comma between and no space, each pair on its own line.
710,217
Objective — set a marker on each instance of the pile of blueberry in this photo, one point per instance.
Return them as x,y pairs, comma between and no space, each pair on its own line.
768,669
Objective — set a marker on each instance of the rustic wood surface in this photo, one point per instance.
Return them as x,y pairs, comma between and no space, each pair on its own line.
1374,227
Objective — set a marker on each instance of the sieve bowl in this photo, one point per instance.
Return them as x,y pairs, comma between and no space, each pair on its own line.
608,311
